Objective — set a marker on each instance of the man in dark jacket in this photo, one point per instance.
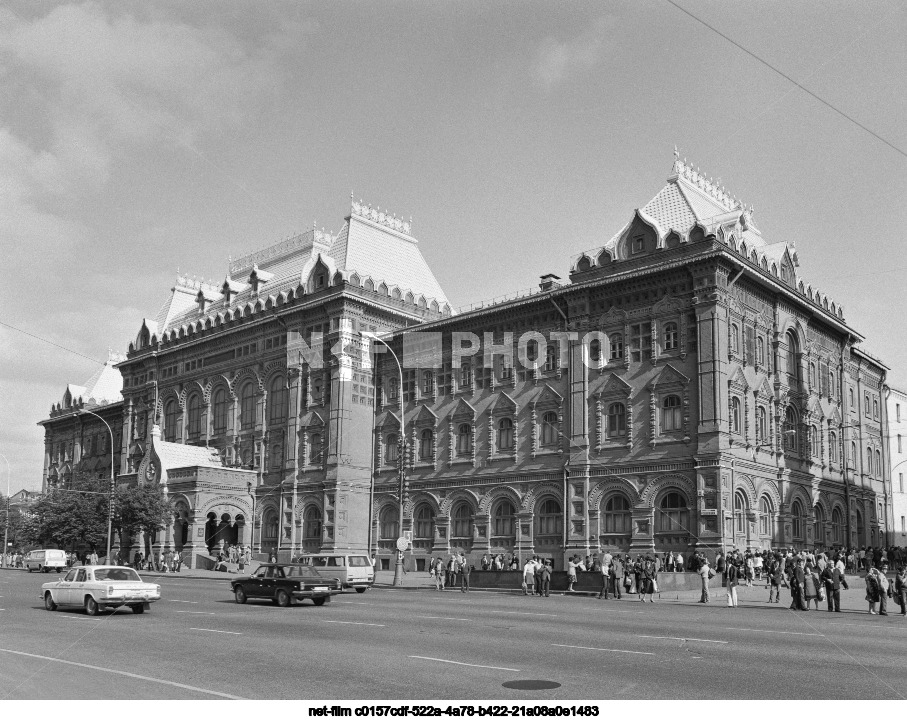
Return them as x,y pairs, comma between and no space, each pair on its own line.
731,584
833,579
617,575
465,570
775,574
797,586
546,579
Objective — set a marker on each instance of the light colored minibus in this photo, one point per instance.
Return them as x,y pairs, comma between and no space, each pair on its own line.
353,569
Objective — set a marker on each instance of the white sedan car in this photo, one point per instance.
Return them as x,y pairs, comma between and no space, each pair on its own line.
99,587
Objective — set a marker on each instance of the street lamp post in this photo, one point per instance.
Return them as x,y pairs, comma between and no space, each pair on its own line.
401,461
6,528
111,488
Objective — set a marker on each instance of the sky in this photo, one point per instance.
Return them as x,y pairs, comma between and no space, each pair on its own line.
142,138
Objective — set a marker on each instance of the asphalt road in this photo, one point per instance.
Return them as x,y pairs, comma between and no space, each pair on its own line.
196,643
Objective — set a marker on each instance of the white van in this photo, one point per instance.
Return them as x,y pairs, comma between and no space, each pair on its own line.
353,569
44,560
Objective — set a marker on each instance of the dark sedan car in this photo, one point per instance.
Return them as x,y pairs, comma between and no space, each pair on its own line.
284,583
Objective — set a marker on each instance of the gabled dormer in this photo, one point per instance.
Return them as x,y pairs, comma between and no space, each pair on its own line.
230,289
257,278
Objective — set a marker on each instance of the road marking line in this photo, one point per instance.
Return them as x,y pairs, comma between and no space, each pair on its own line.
214,630
868,625
124,673
178,600
354,603
199,613
524,613
612,650
678,638
355,623
761,630
458,663
444,618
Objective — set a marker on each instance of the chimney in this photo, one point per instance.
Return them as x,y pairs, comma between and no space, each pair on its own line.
549,282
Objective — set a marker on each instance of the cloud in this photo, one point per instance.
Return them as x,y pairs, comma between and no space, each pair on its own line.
556,60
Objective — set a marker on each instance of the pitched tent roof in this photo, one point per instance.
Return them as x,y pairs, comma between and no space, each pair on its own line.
371,243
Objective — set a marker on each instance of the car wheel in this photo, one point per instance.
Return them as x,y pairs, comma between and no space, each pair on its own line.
240,594
138,608
91,606
283,598
361,590
49,602
320,600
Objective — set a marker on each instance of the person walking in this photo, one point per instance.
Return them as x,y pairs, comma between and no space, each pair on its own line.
872,590
465,570
775,576
605,573
900,588
797,582
833,579
616,575
811,586
546,579
439,574
571,572
884,589
732,576
705,573
529,578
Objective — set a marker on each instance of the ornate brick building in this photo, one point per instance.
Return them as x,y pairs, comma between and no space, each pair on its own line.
687,388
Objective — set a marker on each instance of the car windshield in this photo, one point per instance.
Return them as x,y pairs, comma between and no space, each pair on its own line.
116,574
359,561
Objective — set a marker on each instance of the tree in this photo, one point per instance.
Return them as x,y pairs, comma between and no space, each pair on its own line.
71,518
140,508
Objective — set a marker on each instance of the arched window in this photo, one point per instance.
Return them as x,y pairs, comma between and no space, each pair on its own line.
505,434
595,350
761,427
549,520
673,514
670,414
739,513
464,439
311,522
390,448
818,524
760,351
277,401
832,447
461,522
194,413
269,528
735,415
813,441
837,526
428,383
878,465
426,445
790,430
220,411
503,520
315,449
551,363
246,407
549,429
766,517
831,384
792,360
617,420
390,523
850,392
171,413
671,336
616,516
853,454
424,520
465,374
866,404
869,468
796,510
617,346
812,376
735,338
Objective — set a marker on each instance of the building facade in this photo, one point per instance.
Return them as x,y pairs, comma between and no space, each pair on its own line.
896,402
686,389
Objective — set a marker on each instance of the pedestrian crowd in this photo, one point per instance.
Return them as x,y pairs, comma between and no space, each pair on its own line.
446,573
12,560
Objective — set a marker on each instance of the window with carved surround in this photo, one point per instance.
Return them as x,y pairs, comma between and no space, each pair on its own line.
735,339
616,342
832,447
428,383
760,351
551,358
640,342
220,411
465,378
391,449
814,441
791,426
549,433
761,425
464,440
671,336
426,445
247,407
735,415
505,439
171,413
671,414
617,420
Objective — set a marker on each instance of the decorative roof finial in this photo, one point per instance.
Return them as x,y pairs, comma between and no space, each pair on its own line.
676,153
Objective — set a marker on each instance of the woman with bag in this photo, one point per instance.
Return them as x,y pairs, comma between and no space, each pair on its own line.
872,590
